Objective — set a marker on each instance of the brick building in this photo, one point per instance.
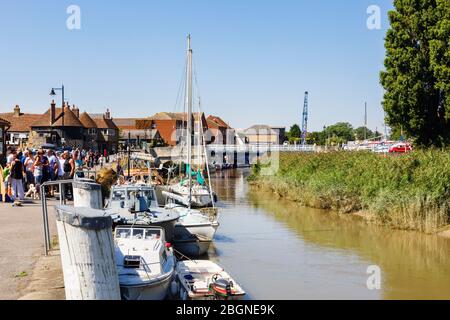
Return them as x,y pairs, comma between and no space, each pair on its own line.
108,132
18,134
62,129
4,125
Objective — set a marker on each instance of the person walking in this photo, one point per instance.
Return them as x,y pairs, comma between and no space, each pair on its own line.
38,170
28,164
17,174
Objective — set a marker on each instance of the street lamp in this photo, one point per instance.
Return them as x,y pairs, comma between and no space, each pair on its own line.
53,93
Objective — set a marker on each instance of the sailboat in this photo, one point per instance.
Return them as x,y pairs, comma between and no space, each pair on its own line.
196,193
194,230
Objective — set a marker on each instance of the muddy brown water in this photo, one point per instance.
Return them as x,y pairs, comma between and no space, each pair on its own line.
277,249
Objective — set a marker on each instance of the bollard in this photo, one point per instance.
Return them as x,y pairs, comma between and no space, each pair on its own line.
87,254
87,194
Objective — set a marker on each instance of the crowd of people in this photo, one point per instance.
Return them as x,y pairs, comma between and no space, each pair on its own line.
29,169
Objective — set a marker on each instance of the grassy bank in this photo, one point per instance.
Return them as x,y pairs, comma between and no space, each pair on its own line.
407,192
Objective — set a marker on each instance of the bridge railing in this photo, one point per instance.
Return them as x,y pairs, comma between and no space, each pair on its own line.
253,148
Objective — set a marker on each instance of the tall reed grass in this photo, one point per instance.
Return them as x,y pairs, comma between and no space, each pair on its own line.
410,191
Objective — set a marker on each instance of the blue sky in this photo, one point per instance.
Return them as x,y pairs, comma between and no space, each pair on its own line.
254,58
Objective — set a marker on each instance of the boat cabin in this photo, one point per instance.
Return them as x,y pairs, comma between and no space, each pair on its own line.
133,198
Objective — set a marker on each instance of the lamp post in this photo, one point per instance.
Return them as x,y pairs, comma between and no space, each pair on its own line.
53,93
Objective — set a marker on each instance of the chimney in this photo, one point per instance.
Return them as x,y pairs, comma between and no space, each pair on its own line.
52,112
17,111
107,114
76,111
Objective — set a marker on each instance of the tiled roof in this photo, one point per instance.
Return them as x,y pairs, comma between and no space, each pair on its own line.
70,119
20,123
260,127
87,121
4,122
103,123
218,121
182,116
128,123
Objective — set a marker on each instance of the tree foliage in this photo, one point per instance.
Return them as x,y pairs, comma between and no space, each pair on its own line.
417,70
363,133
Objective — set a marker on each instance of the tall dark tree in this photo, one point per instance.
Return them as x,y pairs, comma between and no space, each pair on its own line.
295,131
417,71
362,133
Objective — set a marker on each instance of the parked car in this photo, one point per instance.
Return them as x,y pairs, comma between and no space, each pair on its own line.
381,149
400,148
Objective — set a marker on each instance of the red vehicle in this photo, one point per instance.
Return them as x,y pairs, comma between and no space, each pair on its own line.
400,148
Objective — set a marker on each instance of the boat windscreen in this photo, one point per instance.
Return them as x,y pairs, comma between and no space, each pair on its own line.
152,234
122,233
138,234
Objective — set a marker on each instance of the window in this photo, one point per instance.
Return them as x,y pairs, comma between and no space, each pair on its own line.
138,234
122,233
152,234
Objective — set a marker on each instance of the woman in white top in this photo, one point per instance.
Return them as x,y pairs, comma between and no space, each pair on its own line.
28,164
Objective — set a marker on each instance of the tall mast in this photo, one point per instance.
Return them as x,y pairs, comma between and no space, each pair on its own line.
189,115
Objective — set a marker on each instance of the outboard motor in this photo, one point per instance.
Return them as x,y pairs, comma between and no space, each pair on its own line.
222,288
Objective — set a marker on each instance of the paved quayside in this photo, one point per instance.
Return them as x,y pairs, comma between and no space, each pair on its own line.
24,271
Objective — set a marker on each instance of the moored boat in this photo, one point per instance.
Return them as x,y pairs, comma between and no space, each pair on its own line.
205,280
145,262
138,204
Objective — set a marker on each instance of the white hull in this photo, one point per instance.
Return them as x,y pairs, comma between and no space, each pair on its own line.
194,240
200,198
153,291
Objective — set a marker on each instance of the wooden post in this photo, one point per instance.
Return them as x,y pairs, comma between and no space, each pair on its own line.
87,194
87,254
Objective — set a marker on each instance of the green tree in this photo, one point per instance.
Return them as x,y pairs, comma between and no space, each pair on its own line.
340,132
295,131
417,72
362,133
315,137
440,58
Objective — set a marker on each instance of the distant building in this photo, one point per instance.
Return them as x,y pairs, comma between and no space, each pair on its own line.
171,125
4,125
108,138
139,131
264,135
62,129
220,131
91,132
18,134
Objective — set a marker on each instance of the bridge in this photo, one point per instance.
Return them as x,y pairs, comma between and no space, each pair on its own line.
260,148
237,155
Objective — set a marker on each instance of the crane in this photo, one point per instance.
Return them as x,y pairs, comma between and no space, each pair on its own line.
305,120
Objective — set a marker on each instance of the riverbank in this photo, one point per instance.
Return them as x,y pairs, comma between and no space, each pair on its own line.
408,192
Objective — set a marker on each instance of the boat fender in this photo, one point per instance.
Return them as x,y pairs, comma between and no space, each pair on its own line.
174,288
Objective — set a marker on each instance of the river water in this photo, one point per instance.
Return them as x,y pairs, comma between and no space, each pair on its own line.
277,249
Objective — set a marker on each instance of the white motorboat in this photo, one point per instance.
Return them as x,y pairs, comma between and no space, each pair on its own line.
200,196
194,231
145,262
138,204
204,280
